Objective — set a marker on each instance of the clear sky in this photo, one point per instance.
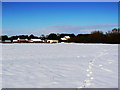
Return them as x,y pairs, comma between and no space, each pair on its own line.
58,17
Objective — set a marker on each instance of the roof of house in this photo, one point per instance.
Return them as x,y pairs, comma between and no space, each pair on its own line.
67,37
15,40
22,39
7,40
63,39
36,39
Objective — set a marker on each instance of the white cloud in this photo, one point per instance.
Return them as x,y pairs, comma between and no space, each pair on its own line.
80,28
65,29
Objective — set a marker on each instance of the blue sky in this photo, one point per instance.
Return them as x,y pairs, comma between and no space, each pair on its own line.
58,17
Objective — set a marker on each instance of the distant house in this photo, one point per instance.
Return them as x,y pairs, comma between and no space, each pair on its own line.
7,41
15,41
19,40
22,40
52,41
35,40
65,38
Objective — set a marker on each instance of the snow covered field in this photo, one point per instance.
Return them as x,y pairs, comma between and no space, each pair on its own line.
60,65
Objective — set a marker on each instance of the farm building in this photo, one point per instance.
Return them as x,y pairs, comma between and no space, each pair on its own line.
7,41
52,41
35,40
19,40
15,41
65,38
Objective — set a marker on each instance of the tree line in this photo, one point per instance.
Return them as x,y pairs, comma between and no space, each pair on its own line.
112,37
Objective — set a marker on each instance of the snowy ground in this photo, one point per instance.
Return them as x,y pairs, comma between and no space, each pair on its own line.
60,65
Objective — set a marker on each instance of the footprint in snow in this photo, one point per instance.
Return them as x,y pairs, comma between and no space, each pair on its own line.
87,70
55,82
90,72
100,65
88,75
91,78
110,62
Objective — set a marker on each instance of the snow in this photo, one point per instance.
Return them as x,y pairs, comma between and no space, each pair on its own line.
0,66
62,65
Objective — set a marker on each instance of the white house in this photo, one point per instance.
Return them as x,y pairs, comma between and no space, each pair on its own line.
35,40
7,41
20,40
52,41
15,41
65,38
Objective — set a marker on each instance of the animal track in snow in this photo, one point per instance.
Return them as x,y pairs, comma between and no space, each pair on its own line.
100,65
89,78
110,62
